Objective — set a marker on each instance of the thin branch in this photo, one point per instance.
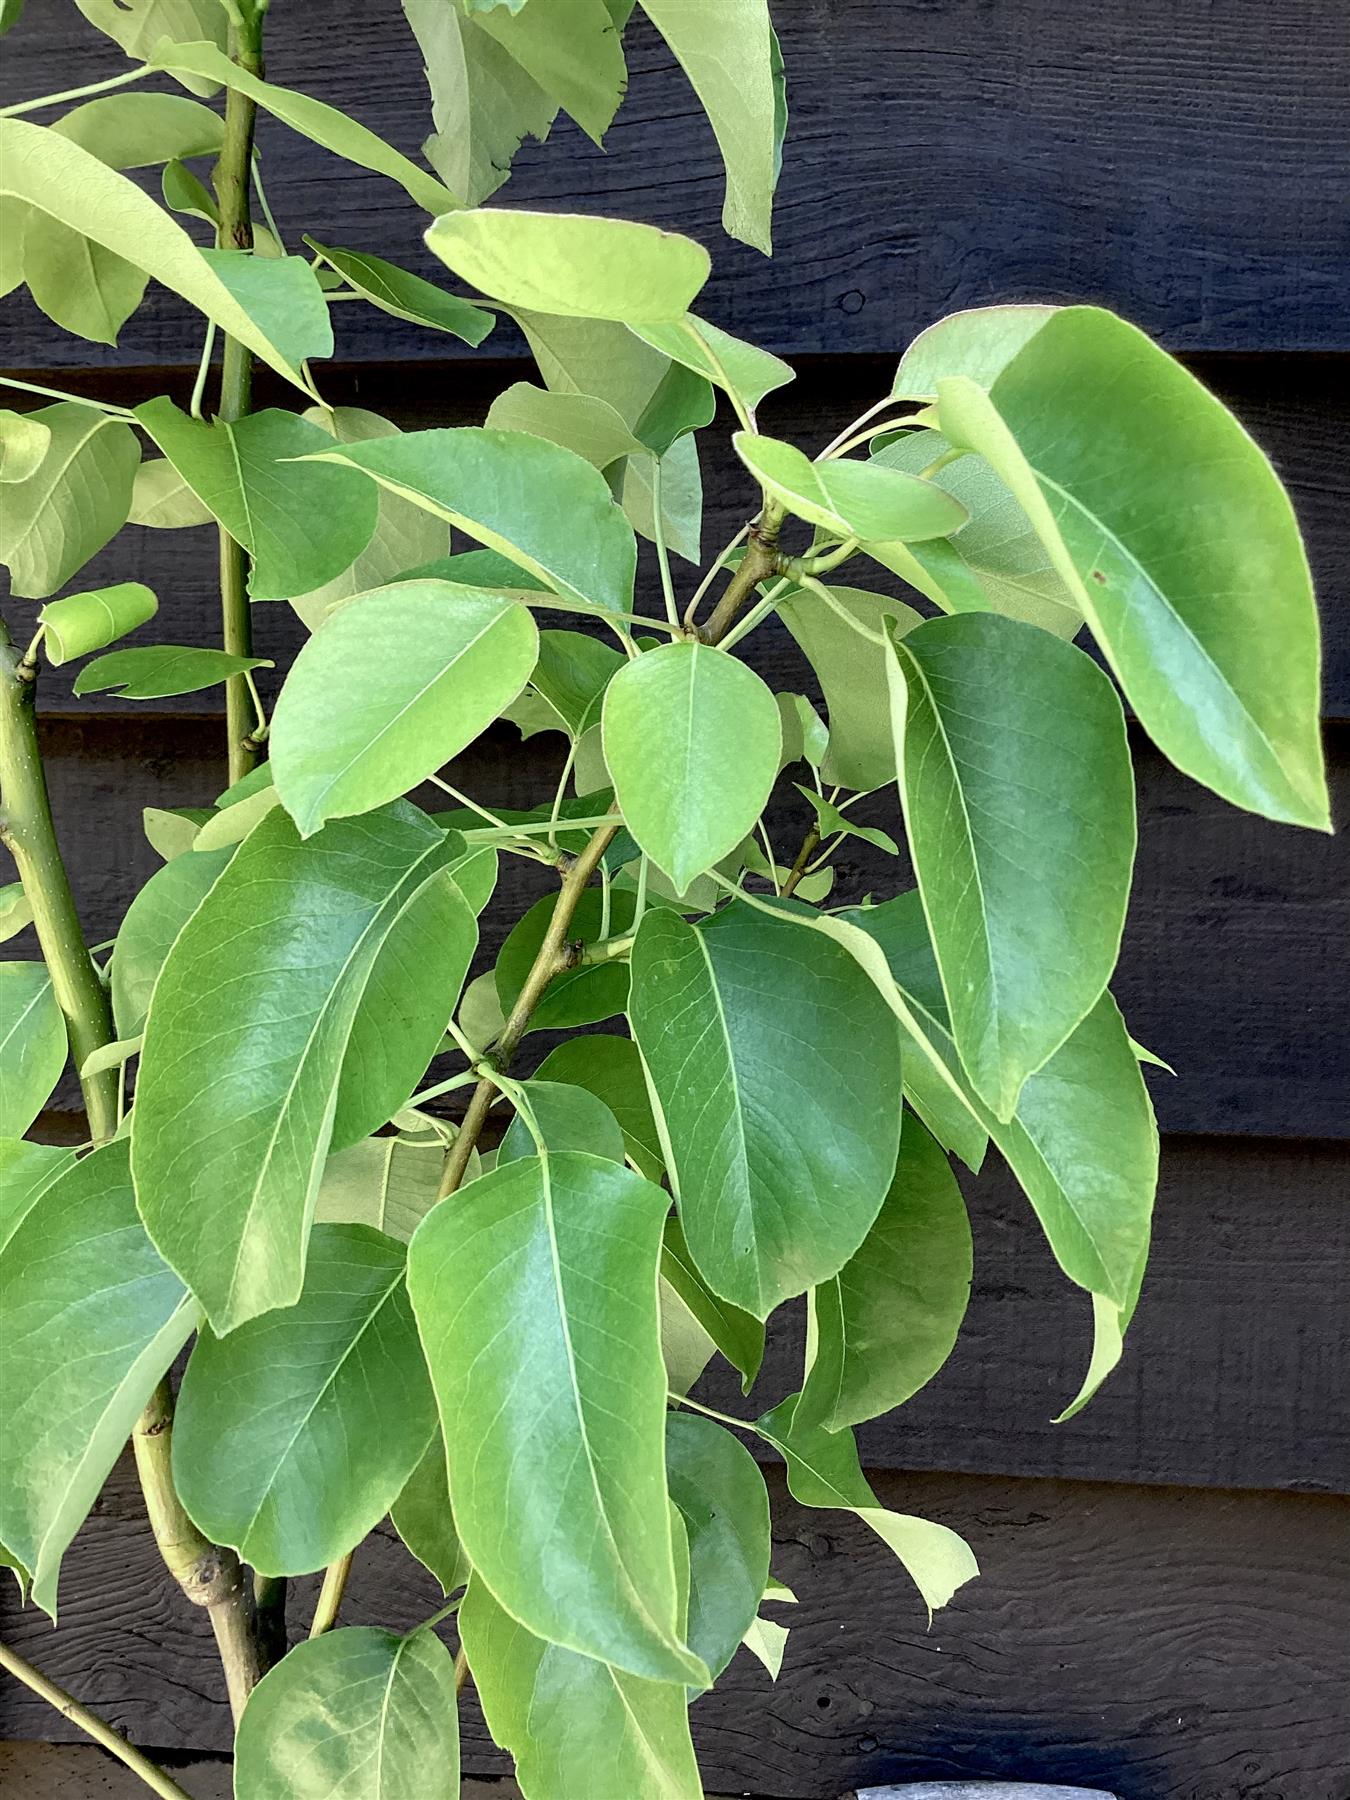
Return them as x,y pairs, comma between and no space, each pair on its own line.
329,1603
78,93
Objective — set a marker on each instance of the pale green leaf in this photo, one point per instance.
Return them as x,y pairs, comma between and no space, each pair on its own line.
831,822
388,689
726,51
227,1168
110,1056
535,1295
668,717
84,622
139,25
766,1640
233,823
407,296
571,50
293,1435
778,1180
1172,531
1018,797
686,1348
681,497
979,343
574,264
72,503
81,285
162,500
887,1322
282,295
172,830
137,130
24,441
26,1172
727,362
738,1335
589,427
720,1492
356,1714
16,910
79,1270
32,1045
386,1182
863,500
157,671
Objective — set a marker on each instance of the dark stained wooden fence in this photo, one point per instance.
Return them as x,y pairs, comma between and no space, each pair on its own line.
1165,1593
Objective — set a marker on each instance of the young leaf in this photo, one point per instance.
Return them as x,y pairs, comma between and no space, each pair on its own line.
357,1712
323,125
301,523
979,343
1018,797
887,1322
156,671
79,1269
534,503
1172,532
859,500
84,622
578,996
831,822
568,1118
823,1470
564,1717
406,296
726,51
72,503
32,1044
535,1295
573,264
294,1434
611,1069
727,362
774,1068
226,1168
162,500
720,1492
668,718
851,669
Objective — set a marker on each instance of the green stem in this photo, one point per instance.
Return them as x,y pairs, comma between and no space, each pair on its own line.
330,1595
79,93
27,829
98,1729
51,393
235,232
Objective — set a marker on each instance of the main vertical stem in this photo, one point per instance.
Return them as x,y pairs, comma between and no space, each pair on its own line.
232,177
26,827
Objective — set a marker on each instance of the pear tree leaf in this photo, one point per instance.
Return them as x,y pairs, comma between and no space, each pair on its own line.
286,1445
139,25
556,1453
152,923
227,1170
720,1492
282,294
668,717
863,500
81,285
571,50
32,1045
830,821
16,910
423,1518
611,1069
979,343
727,362
386,1182
24,441
83,622
738,1335
158,671
568,1118
138,130
578,996
27,1170
406,296
78,1269
232,824
588,427
72,503
162,500
779,1163
681,497
353,1712
389,688
1018,796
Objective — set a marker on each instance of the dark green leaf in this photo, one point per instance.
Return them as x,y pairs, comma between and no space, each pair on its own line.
147,933
407,296
718,1488
611,1069
423,1519
578,996
738,1335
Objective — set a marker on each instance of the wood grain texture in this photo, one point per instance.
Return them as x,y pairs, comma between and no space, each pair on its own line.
1160,1643
1184,164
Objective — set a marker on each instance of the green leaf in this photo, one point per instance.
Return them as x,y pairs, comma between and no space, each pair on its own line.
573,264
738,1335
611,1069
568,1118
726,51
423,1519
294,1435
407,296
830,822
668,718
483,103
720,1492
1018,797
40,167
534,503
140,25
302,524
137,130
185,192
84,622
11,11
979,343
859,500
571,50
226,1168
681,497
162,500
79,1270
171,830
406,536
588,427
535,1294
727,362
24,441
572,674
26,1172
388,689
15,910
1171,530
566,1718
576,996
887,1322
775,1072
73,502
282,294
147,933
355,1713
32,1044
851,668
823,1471
233,823
323,125
156,671
386,1182
82,286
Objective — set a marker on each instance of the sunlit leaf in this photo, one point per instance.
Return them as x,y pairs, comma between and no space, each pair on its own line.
79,623
157,671
32,1044
863,500
72,503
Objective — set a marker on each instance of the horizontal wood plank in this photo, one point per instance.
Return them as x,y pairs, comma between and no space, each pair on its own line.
1184,164
1152,1642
